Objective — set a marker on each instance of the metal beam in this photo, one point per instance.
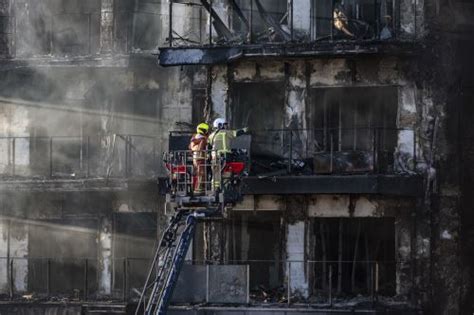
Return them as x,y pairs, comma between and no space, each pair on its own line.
219,25
270,21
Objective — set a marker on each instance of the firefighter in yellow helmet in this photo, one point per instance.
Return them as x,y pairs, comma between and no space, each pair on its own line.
198,146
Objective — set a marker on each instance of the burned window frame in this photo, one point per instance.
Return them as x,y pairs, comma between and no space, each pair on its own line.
245,22
370,147
363,255
356,19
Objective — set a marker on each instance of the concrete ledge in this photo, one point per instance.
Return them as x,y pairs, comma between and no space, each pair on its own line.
297,309
396,185
328,184
73,308
73,185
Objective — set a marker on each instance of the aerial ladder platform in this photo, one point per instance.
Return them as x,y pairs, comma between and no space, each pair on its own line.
185,208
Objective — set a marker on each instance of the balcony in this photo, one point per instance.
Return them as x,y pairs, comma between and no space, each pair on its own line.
328,160
261,284
282,161
206,32
68,163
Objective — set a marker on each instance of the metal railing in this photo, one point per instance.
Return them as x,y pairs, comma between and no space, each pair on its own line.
193,172
111,156
268,281
334,151
276,152
246,22
189,23
319,282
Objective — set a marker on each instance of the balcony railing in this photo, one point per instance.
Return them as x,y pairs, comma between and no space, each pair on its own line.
325,151
265,281
114,156
248,22
272,152
334,151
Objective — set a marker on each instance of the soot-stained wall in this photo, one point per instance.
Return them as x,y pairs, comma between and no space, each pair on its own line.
432,235
61,235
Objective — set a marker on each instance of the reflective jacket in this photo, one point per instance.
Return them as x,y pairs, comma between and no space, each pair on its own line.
198,146
221,140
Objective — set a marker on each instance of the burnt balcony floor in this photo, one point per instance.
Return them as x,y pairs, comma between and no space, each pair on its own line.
397,185
208,55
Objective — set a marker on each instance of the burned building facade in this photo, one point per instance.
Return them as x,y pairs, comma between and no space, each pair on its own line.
358,194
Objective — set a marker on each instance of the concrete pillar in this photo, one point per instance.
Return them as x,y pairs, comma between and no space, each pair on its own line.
403,251
219,90
105,256
107,26
412,17
19,250
214,242
295,250
13,248
407,112
301,17
245,239
295,106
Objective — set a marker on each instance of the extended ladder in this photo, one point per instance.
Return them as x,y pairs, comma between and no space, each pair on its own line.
167,263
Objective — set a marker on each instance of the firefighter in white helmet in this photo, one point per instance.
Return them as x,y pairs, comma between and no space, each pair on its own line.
220,142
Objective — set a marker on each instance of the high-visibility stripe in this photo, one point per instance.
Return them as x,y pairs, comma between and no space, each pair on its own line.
221,139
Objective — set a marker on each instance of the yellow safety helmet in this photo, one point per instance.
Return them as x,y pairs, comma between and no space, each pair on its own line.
202,129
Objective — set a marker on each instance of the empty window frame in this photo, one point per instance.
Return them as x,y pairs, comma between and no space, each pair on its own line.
60,248
351,125
146,25
134,244
266,18
260,106
359,252
354,19
57,27
256,240
123,22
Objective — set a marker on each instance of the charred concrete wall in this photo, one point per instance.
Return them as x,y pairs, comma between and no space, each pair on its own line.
449,42
429,232
107,94
68,77
300,80
60,235
297,216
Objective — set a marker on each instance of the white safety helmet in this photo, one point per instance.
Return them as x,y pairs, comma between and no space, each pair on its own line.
219,123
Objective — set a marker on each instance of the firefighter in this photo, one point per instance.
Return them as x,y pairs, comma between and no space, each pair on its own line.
220,142
198,146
